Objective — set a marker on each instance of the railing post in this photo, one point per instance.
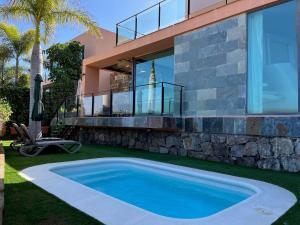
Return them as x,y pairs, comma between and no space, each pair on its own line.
93,104
159,16
180,106
133,86
117,35
111,103
189,9
77,107
135,32
162,98
65,108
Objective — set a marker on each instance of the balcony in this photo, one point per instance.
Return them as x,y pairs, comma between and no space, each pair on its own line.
150,106
161,15
158,99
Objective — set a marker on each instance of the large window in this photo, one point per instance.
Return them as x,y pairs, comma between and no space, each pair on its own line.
272,60
151,72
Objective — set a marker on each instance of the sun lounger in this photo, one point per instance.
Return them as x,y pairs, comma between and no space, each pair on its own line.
33,147
23,138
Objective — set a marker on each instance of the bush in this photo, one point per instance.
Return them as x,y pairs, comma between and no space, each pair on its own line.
5,111
18,99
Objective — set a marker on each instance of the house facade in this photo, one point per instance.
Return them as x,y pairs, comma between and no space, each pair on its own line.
215,80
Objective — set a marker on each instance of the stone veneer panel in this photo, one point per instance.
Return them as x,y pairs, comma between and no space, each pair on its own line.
211,63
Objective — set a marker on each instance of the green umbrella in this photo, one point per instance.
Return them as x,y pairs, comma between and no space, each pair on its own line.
38,107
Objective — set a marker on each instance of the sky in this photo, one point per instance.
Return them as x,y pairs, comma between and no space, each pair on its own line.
105,12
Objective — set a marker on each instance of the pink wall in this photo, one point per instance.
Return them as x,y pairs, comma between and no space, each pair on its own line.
95,45
96,80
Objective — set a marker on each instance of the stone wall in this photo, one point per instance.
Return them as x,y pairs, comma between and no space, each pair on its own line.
261,152
211,63
120,81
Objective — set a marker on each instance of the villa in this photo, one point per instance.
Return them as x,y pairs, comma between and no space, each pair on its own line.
209,79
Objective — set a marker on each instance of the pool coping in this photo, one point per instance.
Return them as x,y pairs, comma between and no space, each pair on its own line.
263,208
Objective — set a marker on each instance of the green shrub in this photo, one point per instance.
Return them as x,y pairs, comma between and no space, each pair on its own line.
18,99
5,111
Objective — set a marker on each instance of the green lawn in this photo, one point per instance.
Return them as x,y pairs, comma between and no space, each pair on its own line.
26,204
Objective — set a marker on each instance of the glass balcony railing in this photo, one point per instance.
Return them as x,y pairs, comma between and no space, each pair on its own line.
159,99
162,15
122,103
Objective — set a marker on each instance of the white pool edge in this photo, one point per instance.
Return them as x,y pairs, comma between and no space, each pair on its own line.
265,207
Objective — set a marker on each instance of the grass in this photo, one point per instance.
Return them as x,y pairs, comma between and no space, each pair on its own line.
26,204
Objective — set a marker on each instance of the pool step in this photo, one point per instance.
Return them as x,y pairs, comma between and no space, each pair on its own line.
83,175
95,179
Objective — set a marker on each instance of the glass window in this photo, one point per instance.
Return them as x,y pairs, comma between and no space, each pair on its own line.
150,72
272,60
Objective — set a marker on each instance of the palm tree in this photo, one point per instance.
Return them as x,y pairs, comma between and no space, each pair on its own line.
44,15
5,56
20,43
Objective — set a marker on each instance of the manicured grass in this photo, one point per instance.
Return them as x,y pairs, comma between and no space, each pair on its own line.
26,204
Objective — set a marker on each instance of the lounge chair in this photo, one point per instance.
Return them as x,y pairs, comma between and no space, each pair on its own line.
23,138
34,147
20,138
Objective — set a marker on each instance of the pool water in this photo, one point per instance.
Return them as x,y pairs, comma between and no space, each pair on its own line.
161,191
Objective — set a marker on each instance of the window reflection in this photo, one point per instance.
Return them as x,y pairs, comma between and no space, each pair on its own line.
272,64
151,71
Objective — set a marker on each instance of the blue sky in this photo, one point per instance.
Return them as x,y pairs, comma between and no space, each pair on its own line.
106,12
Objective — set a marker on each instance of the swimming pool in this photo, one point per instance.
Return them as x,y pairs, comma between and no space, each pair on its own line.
134,191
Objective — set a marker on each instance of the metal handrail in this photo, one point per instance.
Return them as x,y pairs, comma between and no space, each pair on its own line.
150,7
130,88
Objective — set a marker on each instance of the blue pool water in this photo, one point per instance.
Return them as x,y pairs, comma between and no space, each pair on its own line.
160,191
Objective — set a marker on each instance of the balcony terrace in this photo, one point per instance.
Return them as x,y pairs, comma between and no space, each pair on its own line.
162,15
155,106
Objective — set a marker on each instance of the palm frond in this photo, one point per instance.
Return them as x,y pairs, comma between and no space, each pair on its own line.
27,41
10,32
15,12
77,17
5,52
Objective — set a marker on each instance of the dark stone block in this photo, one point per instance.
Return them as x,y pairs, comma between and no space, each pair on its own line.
213,125
228,24
155,122
236,79
229,46
239,126
228,125
193,125
295,127
253,125
169,123
268,127
141,122
128,122
284,126
189,124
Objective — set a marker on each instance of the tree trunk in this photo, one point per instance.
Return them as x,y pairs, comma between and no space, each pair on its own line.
35,127
2,77
17,71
